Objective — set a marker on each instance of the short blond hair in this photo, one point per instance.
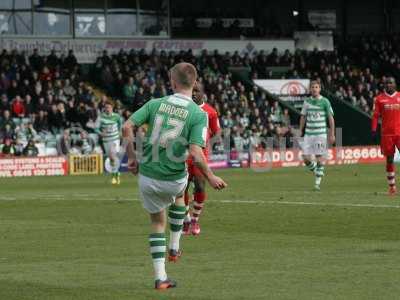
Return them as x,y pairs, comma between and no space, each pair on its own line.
184,74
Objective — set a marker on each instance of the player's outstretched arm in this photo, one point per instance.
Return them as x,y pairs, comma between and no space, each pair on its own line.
128,139
197,153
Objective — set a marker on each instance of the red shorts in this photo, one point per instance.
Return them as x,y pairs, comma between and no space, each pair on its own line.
193,170
389,143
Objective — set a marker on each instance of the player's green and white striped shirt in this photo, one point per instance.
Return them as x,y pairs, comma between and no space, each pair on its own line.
175,122
316,112
110,127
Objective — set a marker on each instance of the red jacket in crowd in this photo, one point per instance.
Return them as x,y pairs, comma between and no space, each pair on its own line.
18,108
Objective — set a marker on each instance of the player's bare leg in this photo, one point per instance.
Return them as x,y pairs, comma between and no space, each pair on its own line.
198,203
158,247
176,214
390,173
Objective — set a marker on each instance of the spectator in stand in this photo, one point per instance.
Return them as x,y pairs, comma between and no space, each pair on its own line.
25,132
29,107
129,92
8,148
26,88
35,60
70,61
64,144
286,118
88,96
102,102
52,59
107,80
82,114
18,108
84,144
12,91
105,59
4,104
41,124
276,113
6,119
54,123
69,90
93,114
46,75
41,105
7,132
30,150
4,83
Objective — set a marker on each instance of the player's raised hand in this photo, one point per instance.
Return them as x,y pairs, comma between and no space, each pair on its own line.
133,166
217,183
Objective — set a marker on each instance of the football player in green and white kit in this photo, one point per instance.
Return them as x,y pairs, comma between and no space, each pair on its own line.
110,131
317,110
176,127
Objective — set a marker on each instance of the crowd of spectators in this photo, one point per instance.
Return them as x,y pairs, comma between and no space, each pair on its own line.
353,72
40,96
246,113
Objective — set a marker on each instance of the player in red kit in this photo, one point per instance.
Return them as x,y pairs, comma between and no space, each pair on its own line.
191,224
387,107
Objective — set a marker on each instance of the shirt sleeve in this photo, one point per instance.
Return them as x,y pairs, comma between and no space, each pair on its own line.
141,116
198,130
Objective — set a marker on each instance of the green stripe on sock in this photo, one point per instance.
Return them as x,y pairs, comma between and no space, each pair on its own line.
176,216
157,240
158,243
311,166
177,209
158,255
175,227
157,235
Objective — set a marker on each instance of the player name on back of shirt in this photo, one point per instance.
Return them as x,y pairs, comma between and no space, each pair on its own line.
173,110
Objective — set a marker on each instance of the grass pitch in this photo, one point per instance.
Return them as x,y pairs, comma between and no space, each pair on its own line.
268,236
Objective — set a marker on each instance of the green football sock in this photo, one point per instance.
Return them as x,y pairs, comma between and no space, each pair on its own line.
157,250
319,173
311,165
176,216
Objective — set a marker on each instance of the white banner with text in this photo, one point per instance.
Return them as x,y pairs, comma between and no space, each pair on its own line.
88,50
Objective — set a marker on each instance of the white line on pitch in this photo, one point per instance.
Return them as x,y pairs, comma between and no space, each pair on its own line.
294,203
309,203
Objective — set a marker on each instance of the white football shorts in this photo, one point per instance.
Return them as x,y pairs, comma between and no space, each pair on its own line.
156,194
315,145
112,148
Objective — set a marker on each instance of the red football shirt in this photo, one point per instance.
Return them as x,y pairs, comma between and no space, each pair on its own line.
213,123
387,107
